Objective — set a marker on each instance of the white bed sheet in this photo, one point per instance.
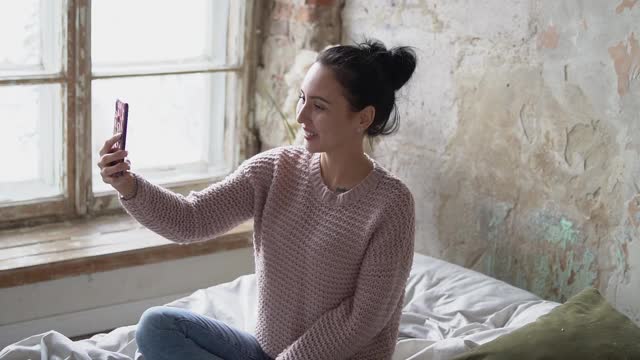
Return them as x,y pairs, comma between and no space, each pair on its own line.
447,310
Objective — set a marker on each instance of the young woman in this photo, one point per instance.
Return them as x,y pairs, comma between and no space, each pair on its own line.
333,230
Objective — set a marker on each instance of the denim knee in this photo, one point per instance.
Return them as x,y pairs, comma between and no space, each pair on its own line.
152,319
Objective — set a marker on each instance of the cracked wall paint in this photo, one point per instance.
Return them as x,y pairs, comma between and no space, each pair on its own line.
560,279
625,4
548,39
543,169
566,267
626,58
520,137
562,234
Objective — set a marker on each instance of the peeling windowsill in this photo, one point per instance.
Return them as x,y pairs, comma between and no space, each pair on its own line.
54,251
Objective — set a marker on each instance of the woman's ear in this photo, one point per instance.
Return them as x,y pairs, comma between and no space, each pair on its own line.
365,117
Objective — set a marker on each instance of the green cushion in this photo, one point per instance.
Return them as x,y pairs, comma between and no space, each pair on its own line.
585,327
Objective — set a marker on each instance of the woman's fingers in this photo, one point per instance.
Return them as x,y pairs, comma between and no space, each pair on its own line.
111,162
107,172
106,148
107,159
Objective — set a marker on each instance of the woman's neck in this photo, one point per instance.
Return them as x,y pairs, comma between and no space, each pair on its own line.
344,170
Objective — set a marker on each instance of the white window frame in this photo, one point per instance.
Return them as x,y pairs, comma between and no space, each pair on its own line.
78,199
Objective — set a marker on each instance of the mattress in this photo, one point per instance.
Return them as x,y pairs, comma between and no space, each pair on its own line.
447,310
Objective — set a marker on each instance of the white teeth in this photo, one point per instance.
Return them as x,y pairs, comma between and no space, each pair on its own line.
306,133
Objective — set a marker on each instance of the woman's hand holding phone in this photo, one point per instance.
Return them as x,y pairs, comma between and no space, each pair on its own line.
110,165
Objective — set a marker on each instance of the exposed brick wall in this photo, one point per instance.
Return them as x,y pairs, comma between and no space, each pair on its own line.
287,27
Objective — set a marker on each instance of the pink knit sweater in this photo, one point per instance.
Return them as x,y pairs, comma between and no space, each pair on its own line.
331,268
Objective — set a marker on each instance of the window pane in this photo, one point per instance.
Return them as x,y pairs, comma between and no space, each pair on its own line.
31,141
32,36
157,32
176,124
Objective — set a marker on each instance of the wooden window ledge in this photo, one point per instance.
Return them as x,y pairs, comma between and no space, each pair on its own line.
54,251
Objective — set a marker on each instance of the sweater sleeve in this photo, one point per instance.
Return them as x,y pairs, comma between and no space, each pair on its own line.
345,329
205,214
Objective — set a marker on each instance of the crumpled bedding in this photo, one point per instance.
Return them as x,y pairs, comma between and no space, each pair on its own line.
447,310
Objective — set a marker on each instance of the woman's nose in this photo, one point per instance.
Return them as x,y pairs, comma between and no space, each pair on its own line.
301,113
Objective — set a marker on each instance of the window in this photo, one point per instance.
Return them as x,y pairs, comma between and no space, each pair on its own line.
181,65
31,114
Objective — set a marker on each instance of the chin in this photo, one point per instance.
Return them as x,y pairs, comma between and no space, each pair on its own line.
312,147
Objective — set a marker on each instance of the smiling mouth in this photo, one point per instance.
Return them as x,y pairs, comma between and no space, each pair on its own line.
309,135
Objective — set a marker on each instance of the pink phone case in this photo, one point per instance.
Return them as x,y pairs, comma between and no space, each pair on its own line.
120,121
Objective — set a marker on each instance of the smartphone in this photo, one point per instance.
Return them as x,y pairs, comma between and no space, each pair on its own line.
120,121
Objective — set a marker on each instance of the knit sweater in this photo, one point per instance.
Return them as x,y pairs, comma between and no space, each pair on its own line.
331,268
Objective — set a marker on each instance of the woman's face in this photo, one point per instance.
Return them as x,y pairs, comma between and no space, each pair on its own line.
326,117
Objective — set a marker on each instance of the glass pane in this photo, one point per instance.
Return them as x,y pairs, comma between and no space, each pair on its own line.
175,122
31,139
35,41
157,32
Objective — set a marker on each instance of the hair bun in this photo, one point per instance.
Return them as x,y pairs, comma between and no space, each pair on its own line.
398,63
402,63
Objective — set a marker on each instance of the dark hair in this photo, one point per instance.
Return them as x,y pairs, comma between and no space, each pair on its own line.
370,75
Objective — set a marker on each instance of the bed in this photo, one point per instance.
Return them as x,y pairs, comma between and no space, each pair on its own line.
448,310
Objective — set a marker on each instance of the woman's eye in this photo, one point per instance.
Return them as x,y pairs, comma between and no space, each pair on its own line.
301,97
319,107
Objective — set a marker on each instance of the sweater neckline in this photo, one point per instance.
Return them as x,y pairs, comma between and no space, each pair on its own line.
325,194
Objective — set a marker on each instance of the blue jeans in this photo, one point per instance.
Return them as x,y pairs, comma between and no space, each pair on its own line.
165,333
